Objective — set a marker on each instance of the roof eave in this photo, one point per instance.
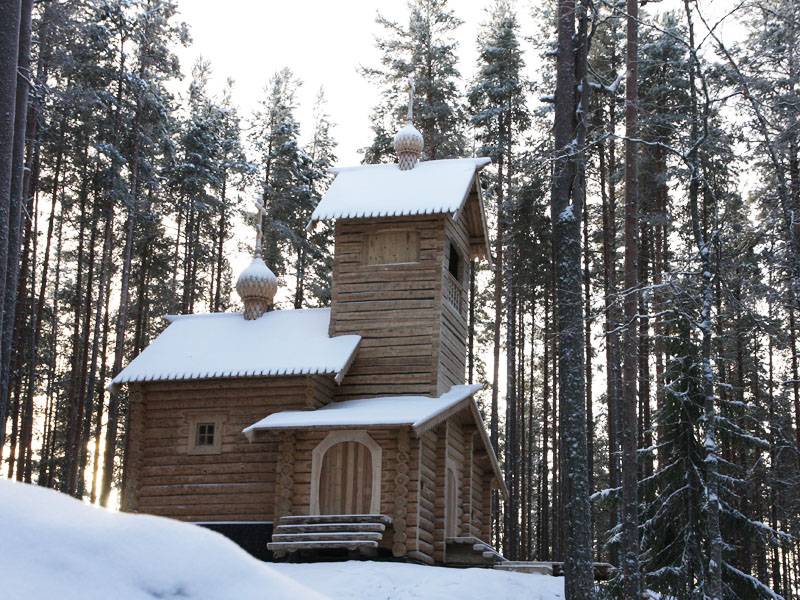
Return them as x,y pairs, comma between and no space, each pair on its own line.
251,432
498,473
484,233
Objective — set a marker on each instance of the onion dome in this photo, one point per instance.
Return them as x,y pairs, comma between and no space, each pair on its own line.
408,141
256,287
408,146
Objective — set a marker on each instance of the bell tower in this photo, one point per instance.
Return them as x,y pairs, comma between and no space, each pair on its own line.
404,236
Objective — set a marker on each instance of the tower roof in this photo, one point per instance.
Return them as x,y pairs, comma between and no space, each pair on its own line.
384,190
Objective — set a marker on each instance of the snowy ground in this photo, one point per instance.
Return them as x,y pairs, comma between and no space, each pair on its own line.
56,547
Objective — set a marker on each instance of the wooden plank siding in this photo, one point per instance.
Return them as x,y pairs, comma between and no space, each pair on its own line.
408,345
236,484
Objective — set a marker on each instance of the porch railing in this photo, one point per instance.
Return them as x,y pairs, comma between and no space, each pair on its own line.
454,294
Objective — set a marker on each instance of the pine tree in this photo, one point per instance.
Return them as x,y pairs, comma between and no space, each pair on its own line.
566,210
425,49
281,172
318,263
497,102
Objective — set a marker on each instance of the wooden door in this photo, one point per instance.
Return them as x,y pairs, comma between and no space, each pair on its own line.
345,481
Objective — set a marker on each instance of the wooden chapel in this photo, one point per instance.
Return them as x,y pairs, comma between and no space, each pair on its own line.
338,430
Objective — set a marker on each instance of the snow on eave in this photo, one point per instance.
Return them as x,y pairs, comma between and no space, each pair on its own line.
225,345
386,412
418,412
372,191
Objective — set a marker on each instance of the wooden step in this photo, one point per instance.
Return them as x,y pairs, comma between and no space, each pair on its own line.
316,519
522,566
326,536
322,544
471,551
330,527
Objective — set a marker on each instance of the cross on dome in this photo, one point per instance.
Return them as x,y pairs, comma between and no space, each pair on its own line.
257,284
408,141
411,89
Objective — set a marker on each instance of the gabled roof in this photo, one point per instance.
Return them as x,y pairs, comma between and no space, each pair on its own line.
431,187
416,411
281,342
419,412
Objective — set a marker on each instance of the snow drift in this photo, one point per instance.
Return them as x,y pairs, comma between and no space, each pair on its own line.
54,546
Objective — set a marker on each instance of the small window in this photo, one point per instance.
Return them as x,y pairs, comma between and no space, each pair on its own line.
454,263
205,434
392,247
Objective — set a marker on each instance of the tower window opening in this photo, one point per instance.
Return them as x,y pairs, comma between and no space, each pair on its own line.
454,262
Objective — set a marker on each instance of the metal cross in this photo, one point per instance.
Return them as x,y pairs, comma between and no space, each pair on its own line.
411,88
261,212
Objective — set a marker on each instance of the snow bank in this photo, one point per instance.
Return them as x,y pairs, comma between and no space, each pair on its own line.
56,547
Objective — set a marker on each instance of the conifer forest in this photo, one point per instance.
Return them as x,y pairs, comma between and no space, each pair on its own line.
636,330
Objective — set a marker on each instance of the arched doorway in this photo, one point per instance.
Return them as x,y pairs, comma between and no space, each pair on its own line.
346,474
345,482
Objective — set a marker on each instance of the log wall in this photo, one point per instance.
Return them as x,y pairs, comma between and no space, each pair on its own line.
427,489
237,484
410,343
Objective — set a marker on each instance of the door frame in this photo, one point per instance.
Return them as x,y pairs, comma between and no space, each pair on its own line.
337,437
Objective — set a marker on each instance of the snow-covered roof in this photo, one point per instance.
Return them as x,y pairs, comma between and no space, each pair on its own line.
416,411
419,412
281,342
431,187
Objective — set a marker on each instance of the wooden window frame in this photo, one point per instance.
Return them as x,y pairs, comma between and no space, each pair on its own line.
336,437
372,234
195,420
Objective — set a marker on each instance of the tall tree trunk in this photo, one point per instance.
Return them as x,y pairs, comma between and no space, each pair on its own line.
543,552
511,524
566,213
9,52
645,432
74,408
89,394
587,301
17,200
496,329
223,229
712,585
98,424
631,581
611,317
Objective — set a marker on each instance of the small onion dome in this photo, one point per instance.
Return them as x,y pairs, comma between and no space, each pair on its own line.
408,146
256,287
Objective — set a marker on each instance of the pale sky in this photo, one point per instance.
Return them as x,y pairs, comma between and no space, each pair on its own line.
322,41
